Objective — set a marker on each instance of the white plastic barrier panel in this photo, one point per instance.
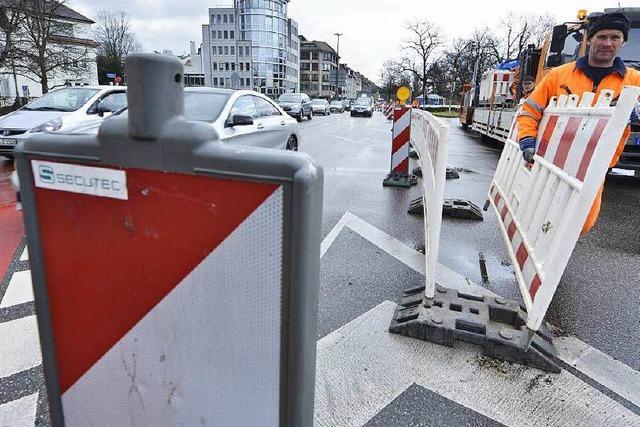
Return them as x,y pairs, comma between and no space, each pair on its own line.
541,210
430,139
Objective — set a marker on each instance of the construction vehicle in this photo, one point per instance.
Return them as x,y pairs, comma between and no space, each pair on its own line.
489,107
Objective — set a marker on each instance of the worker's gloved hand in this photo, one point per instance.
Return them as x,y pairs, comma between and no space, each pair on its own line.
528,147
528,154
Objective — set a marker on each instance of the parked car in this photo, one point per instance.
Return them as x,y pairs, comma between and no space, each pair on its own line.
336,106
297,105
347,103
320,106
58,110
362,107
241,117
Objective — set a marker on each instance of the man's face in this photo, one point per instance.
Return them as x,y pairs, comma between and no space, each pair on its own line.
604,45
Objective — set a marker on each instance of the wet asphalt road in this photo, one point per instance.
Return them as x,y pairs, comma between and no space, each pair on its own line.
598,299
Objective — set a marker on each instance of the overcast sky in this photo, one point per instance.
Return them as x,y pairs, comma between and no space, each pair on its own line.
373,29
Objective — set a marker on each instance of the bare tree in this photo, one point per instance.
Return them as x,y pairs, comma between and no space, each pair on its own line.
47,45
518,31
11,17
423,43
116,41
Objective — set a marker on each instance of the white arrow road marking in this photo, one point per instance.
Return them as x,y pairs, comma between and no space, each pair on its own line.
20,349
20,289
361,368
602,368
20,412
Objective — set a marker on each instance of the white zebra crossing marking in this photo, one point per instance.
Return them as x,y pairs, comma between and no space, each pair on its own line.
20,412
25,255
20,349
20,289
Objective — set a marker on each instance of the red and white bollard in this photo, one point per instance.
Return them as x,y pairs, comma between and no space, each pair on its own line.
399,175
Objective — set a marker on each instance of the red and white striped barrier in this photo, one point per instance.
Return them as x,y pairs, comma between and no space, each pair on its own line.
401,133
388,111
430,139
542,210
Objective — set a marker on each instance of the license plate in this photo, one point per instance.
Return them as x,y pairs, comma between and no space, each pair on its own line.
8,141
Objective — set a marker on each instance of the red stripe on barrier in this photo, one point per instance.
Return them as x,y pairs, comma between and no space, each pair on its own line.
591,147
504,212
511,230
522,255
403,166
546,135
497,198
566,140
535,285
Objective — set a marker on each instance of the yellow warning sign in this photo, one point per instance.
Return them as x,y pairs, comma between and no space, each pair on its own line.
403,93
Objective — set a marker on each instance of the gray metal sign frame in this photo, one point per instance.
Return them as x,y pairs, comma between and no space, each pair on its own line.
156,137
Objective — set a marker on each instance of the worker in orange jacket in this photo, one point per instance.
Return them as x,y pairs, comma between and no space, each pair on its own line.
600,69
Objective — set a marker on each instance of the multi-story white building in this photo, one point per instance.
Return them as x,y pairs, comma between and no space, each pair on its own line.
252,45
73,30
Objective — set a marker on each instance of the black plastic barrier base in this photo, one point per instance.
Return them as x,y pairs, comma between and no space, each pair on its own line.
454,208
496,324
395,179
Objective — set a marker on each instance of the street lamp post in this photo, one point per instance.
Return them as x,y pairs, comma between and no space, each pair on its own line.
337,60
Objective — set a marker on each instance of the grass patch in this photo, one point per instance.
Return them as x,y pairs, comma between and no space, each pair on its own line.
447,114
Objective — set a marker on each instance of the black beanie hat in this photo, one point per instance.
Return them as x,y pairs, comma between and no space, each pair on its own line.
610,21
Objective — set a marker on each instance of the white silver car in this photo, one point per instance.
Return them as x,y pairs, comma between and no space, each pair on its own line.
320,106
240,117
58,110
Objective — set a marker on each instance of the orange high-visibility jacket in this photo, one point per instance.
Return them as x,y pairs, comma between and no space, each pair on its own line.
570,79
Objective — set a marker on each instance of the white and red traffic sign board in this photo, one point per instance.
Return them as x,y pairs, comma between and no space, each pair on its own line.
401,136
166,307
541,210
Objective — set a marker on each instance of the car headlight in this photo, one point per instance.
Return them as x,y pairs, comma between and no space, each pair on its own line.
49,126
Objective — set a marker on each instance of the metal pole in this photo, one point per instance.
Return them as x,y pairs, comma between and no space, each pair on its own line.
337,61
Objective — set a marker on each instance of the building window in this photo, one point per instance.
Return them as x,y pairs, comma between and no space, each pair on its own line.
226,66
226,50
314,66
226,34
218,19
233,50
231,19
213,34
233,66
215,66
215,81
221,82
248,66
242,66
231,34
248,82
240,50
247,51
219,34
224,18
219,50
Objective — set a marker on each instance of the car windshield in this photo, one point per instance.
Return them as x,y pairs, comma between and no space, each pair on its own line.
66,99
318,101
338,103
287,97
204,106
363,102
